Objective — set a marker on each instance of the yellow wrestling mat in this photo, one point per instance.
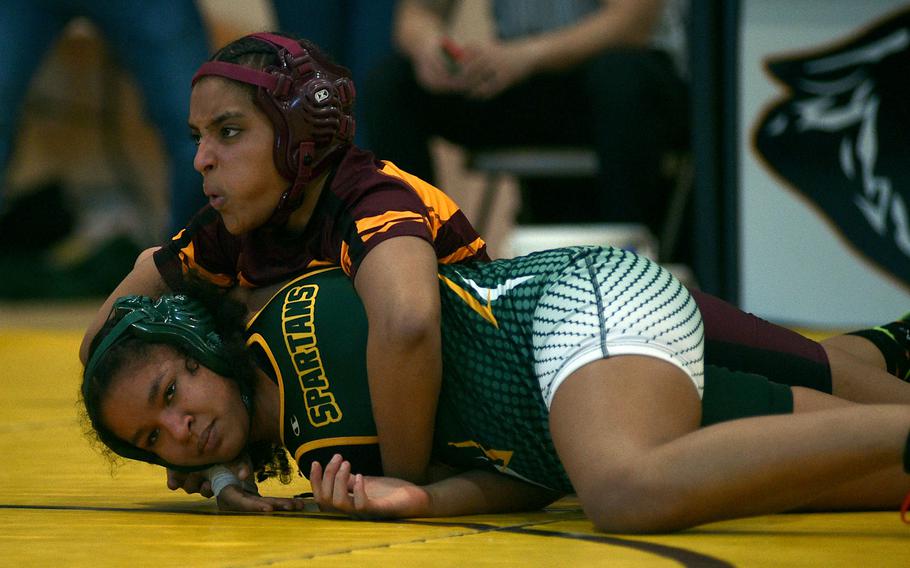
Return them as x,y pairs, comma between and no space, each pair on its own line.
61,506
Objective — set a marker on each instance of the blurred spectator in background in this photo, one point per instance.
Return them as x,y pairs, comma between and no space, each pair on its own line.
356,33
607,74
159,45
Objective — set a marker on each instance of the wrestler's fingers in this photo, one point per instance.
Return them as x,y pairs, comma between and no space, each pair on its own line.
233,498
341,499
359,492
316,480
285,503
328,476
175,479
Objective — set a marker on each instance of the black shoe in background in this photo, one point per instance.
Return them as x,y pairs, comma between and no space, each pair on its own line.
94,274
35,220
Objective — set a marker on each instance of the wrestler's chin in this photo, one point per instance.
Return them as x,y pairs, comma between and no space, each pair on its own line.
224,444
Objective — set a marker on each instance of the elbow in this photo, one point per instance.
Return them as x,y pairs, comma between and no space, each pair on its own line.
412,330
409,325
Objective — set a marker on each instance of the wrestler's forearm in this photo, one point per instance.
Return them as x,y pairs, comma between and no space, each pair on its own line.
477,492
399,287
143,279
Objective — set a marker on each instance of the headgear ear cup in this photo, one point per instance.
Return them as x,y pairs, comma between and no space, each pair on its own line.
309,102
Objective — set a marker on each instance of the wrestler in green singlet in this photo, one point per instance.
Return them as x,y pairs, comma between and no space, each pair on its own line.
511,329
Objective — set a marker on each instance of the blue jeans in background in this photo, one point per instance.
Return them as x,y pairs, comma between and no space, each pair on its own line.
159,43
355,33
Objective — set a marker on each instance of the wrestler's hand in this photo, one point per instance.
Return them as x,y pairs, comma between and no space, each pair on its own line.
198,482
490,68
362,497
195,482
235,498
433,70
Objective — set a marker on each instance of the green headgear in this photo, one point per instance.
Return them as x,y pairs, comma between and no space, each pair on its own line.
173,319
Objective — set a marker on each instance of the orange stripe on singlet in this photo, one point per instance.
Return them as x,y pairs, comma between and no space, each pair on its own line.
463,253
370,226
440,205
345,258
188,263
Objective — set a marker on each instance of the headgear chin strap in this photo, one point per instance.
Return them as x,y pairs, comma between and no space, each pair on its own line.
173,319
310,105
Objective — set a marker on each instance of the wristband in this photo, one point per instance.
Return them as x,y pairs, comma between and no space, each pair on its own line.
220,477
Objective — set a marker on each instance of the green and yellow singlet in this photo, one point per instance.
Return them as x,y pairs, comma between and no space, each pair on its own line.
511,330
311,338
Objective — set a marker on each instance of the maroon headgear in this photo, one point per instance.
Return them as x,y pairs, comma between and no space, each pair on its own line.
310,104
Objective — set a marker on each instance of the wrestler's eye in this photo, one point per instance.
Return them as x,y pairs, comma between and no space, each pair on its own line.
195,137
229,132
169,392
153,437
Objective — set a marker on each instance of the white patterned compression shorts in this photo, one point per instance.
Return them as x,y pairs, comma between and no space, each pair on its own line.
615,303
